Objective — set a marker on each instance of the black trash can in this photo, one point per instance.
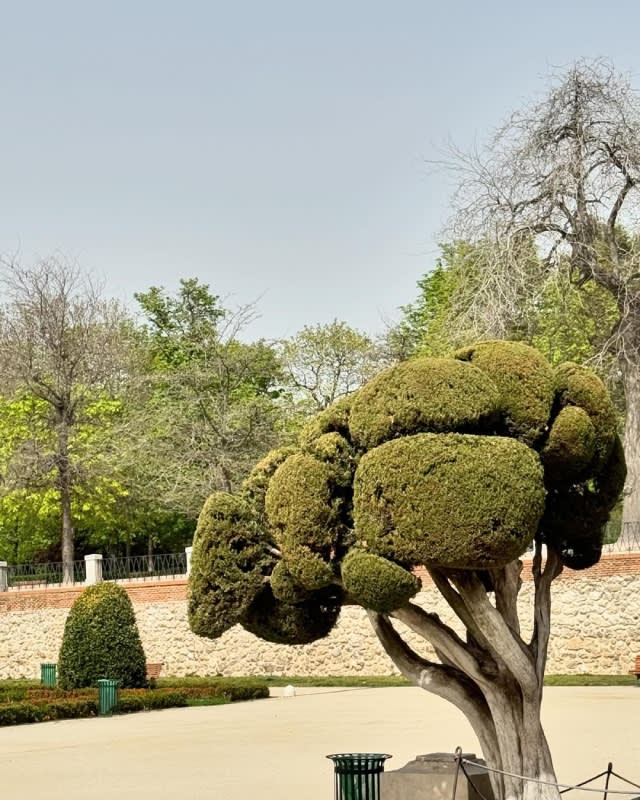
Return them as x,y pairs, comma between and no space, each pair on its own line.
357,775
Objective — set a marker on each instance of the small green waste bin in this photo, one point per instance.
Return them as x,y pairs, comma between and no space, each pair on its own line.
357,775
48,674
107,696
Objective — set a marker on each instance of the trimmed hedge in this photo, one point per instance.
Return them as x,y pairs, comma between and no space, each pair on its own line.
21,713
101,640
129,702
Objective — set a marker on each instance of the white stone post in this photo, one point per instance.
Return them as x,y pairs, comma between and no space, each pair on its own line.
93,564
4,576
188,551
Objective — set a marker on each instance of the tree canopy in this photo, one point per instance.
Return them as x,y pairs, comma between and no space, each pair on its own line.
459,464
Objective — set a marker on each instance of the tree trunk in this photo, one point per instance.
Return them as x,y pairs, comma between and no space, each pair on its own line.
630,533
64,483
494,677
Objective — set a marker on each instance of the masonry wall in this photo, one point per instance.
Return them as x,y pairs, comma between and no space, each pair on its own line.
596,629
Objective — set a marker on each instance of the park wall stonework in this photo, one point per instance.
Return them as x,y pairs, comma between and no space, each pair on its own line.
596,629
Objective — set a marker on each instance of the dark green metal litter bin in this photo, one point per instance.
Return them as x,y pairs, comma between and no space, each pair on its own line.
107,696
357,775
48,674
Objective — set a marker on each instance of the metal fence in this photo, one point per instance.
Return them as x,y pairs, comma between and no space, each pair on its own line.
144,568
622,537
35,576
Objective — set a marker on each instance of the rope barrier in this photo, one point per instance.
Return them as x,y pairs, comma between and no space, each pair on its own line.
564,786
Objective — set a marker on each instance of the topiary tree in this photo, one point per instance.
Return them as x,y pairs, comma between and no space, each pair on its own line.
458,464
101,640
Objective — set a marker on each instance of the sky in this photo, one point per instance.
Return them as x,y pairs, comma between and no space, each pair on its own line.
282,152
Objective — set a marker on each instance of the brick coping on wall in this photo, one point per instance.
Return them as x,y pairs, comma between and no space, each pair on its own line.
176,588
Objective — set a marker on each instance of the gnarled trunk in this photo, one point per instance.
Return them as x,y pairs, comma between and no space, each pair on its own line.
630,533
494,677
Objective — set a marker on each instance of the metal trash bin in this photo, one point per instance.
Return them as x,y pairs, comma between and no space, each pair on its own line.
48,675
357,775
107,696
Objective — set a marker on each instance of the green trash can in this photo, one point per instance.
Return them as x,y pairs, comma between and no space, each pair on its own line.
48,674
107,696
357,775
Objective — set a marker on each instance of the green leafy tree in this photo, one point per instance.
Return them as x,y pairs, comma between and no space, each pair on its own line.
459,464
207,404
101,640
323,363
63,352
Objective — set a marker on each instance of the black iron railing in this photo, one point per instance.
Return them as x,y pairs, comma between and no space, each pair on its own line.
144,568
35,576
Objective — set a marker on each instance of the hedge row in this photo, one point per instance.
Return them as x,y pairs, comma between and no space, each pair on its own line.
232,692
41,705
129,701
20,713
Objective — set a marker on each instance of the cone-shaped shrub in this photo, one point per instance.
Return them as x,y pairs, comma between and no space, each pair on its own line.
101,640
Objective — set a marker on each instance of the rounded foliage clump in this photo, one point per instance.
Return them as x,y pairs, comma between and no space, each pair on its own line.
300,504
453,463
229,562
376,583
101,640
449,500
255,486
575,517
579,386
284,587
424,395
293,623
333,419
571,445
308,569
333,449
525,381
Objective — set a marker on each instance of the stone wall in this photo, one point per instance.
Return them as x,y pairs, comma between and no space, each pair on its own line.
596,629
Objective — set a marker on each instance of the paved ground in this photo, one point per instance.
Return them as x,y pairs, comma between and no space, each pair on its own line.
274,749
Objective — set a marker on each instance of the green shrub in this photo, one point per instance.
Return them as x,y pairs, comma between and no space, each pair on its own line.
20,713
129,702
231,690
101,640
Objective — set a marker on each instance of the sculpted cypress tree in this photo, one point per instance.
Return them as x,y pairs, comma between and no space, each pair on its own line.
458,464
101,640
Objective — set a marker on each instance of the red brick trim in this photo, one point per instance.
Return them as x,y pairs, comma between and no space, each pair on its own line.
175,589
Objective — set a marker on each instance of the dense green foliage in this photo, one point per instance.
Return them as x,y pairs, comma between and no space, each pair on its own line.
21,713
427,394
449,500
101,640
525,383
32,703
436,462
229,563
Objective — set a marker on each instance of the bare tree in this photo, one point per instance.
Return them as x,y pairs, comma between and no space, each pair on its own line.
61,342
562,173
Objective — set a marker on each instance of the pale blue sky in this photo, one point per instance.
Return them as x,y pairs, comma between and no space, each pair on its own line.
273,149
